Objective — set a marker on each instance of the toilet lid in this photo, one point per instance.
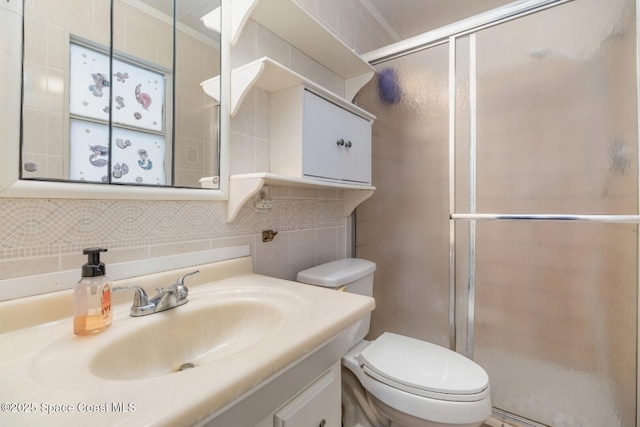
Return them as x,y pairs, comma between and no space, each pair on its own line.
337,273
422,368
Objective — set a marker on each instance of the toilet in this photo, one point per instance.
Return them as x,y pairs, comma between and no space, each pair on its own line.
397,381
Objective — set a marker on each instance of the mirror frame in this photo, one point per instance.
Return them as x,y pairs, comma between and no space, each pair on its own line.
11,186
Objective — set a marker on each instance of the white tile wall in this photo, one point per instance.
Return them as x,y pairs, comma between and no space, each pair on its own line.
41,236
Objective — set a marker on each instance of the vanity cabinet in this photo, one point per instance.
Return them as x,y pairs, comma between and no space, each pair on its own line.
317,406
300,397
307,393
312,137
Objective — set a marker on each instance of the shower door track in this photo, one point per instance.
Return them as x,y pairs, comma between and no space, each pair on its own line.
617,219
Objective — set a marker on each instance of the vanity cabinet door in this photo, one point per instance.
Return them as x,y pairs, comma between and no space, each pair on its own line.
319,405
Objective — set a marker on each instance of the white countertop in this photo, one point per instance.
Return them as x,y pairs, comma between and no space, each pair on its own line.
45,367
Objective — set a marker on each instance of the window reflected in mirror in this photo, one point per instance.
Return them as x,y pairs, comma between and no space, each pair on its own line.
111,92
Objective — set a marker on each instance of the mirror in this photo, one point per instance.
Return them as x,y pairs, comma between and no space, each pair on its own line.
111,93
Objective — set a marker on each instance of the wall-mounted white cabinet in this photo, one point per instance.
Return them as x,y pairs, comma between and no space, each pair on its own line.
312,137
318,139
347,167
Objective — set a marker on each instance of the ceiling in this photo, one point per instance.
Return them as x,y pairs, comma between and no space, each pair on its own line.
407,18
188,12
401,18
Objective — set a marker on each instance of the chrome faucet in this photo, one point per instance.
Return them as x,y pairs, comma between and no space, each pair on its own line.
173,296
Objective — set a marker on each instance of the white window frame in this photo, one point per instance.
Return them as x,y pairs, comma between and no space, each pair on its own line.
165,130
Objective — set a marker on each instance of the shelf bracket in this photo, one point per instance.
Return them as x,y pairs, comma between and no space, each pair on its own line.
241,190
353,198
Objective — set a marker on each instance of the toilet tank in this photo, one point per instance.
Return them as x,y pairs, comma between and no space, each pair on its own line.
353,274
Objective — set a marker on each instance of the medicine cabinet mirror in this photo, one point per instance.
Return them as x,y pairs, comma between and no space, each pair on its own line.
112,97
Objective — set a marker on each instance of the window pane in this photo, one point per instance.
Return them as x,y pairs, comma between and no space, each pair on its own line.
88,151
139,96
138,93
138,157
89,83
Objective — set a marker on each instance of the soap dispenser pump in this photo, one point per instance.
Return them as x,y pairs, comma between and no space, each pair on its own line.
92,296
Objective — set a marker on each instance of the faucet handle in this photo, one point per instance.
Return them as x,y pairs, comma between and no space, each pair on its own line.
181,289
180,280
141,304
140,297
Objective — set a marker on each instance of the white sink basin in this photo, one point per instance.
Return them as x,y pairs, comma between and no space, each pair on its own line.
238,332
215,324
184,339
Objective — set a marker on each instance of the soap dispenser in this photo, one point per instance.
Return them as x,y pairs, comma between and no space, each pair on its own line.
92,296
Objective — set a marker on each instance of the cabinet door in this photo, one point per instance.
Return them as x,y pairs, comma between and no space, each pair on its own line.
317,406
321,132
356,155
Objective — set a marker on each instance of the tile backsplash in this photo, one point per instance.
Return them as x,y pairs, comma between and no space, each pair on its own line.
41,236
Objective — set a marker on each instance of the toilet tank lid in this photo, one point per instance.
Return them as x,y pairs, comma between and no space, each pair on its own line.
337,273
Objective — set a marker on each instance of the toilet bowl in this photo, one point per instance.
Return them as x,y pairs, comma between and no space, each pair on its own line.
398,381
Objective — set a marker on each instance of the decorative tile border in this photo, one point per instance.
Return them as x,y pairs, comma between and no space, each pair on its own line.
31,227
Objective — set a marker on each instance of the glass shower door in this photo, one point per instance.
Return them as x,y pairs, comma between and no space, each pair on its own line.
553,131
545,129
404,227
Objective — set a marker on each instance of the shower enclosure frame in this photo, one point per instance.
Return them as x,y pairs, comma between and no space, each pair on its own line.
450,34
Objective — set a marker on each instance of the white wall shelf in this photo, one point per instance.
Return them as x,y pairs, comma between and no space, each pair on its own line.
289,21
243,187
271,76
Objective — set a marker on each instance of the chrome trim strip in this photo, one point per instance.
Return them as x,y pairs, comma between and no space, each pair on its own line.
616,219
475,23
452,192
638,210
509,417
471,299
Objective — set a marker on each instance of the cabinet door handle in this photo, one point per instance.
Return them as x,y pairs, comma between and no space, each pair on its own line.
348,144
340,142
322,423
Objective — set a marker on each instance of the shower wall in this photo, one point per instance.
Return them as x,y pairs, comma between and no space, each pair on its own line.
545,111
404,227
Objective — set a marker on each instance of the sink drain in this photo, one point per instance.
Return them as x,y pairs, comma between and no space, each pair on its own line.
187,365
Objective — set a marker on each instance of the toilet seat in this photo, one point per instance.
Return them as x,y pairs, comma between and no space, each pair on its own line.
424,369
422,407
